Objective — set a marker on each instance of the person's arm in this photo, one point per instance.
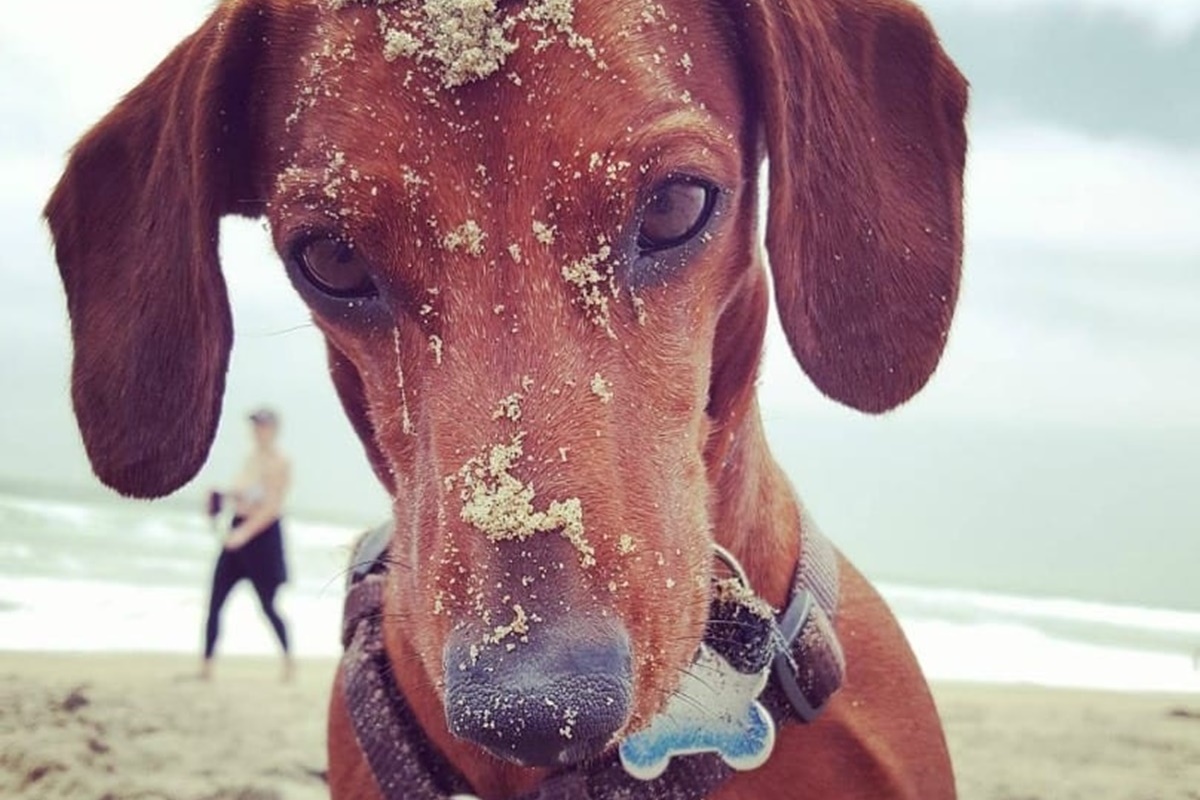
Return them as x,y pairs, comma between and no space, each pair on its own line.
275,486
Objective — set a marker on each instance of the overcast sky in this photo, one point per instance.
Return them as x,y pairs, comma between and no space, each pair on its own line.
1070,395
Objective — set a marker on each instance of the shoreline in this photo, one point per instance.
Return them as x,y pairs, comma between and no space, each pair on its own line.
132,724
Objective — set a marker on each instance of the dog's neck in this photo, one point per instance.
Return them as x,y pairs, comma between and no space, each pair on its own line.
757,516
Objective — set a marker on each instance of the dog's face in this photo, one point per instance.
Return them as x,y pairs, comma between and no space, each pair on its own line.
528,235
520,280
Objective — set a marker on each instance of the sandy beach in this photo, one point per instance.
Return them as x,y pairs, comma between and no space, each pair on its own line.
117,727
114,726
1026,743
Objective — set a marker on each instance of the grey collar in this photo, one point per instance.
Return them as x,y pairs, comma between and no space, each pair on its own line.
806,665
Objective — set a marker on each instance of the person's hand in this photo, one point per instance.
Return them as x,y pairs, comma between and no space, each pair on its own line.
236,540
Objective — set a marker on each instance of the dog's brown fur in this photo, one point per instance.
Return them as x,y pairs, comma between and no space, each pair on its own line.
861,115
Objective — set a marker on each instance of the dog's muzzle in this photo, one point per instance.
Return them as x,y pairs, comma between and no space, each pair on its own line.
782,668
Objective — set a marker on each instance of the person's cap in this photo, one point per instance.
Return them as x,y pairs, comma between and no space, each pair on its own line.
264,416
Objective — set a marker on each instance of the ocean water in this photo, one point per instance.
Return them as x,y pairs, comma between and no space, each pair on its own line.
129,577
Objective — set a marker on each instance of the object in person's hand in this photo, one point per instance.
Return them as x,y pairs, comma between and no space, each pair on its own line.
214,503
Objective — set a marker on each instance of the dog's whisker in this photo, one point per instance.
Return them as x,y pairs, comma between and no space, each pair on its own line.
388,561
735,623
707,712
697,704
689,673
283,331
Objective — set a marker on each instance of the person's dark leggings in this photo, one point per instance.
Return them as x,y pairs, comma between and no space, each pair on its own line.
225,577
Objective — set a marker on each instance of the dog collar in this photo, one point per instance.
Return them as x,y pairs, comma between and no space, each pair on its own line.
786,667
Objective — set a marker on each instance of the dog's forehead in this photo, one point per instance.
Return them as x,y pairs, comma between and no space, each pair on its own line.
462,97
465,41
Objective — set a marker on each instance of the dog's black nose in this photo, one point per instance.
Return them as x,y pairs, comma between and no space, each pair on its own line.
555,699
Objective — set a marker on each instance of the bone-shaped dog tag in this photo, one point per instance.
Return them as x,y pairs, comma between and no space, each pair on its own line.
714,710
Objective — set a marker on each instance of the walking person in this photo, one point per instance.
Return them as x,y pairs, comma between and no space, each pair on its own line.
253,546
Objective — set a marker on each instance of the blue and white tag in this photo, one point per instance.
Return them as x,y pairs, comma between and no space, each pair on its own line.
714,710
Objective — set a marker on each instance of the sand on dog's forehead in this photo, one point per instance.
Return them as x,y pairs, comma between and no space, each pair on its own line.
468,40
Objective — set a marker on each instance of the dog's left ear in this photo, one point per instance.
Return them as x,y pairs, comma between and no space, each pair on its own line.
863,115
134,220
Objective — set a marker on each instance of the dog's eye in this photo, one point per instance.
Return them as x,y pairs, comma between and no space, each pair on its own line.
334,267
677,211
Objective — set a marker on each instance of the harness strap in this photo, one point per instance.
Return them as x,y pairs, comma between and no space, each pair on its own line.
407,766
807,673
403,761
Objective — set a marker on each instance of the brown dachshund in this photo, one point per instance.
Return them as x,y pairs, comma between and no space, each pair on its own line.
527,231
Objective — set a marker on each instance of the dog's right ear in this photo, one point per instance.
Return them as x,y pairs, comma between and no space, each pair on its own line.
135,223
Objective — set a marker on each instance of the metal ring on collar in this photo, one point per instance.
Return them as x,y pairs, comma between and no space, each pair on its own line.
735,566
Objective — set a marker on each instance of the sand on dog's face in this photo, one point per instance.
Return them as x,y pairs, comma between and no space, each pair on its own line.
536,387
